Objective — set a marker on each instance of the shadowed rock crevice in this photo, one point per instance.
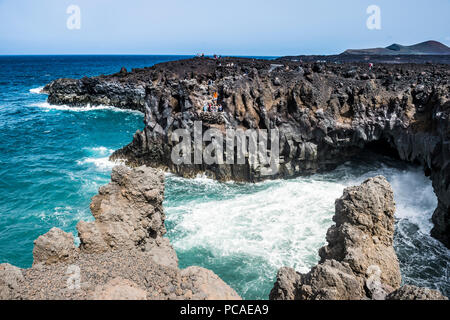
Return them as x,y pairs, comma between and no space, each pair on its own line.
383,147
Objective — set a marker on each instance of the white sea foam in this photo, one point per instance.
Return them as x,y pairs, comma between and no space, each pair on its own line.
415,199
87,108
37,90
103,164
99,158
284,222
101,151
66,215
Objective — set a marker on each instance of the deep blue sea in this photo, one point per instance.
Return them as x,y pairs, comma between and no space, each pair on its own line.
54,158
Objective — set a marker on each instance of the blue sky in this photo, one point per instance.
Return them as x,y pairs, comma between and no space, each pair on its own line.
243,27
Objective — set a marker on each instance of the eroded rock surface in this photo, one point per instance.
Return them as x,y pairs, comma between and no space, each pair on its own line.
325,114
205,284
128,212
119,289
364,231
359,261
10,277
53,247
122,255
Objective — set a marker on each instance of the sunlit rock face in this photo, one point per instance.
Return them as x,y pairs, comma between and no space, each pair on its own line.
359,262
122,255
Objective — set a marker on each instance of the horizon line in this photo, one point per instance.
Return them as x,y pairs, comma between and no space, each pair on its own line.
140,54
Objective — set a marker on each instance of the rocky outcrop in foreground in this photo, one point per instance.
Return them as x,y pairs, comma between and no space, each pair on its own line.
359,261
122,254
326,113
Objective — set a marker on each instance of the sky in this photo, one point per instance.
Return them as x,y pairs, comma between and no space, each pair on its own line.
226,27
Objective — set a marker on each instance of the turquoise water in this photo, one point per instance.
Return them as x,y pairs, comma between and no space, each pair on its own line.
54,158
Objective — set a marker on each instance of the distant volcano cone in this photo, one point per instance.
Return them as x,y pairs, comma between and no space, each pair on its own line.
424,48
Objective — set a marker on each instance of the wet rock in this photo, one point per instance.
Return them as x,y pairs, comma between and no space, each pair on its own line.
87,91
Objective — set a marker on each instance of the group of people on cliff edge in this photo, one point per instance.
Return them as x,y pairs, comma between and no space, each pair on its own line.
210,107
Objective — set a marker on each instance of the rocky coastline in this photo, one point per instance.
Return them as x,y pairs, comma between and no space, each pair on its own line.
325,114
359,262
122,253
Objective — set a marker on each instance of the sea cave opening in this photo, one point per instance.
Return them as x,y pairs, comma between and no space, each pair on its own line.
382,147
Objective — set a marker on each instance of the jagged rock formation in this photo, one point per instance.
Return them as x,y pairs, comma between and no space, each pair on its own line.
325,114
121,223
54,246
122,254
91,91
359,261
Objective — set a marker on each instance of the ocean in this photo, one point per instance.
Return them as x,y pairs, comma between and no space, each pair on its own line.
53,159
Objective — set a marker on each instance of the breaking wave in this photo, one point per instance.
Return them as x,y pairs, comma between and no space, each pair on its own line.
99,158
87,108
246,232
37,90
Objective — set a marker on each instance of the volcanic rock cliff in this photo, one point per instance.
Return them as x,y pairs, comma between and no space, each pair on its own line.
122,254
325,113
359,262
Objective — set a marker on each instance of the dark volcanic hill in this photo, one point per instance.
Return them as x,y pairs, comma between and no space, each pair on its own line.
421,53
424,48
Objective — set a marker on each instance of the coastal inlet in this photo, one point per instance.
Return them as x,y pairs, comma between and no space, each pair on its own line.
55,157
